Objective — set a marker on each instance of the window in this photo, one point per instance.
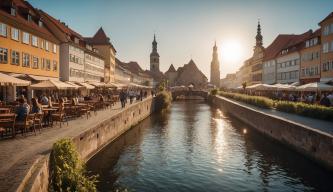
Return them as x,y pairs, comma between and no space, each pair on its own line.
3,55
40,23
326,30
55,66
42,44
35,63
26,38
325,47
29,18
25,60
46,45
15,57
34,41
15,34
3,29
48,64
43,63
13,11
54,48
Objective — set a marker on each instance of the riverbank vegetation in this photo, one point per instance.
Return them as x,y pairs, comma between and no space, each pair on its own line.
163,100
67,171
308,110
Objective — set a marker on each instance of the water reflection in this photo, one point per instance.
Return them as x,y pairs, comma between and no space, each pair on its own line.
195,147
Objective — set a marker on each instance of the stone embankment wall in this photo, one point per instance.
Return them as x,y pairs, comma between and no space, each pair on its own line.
311,142
88,143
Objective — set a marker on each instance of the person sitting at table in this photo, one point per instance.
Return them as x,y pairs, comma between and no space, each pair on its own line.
22,110
73,101
36,107
44,100
61,104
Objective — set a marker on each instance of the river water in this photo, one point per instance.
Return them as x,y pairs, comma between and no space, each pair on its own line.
196,147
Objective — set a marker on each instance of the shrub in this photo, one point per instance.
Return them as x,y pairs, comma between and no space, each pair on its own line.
213,92
163,100
309,110
67,170
254,100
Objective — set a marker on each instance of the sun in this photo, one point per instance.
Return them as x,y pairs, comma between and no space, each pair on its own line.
231,51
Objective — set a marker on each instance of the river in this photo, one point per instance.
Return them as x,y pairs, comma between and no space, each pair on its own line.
196,147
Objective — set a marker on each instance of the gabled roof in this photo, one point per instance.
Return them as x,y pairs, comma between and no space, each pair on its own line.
61,26
23,8
132,67
171,69
276,46
326,18
100,38
190,66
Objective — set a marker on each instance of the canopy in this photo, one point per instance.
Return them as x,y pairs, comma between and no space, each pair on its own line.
139,86
86,85
285,87
9,80
315,87
261,87
41,78
97,84
52,84
74,84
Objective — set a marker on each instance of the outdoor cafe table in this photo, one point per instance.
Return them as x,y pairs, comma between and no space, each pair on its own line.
4,121
4,110
48,114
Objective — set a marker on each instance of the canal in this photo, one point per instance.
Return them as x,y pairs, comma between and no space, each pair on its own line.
196,147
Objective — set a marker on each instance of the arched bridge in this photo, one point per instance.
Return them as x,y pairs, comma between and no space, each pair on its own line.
186,93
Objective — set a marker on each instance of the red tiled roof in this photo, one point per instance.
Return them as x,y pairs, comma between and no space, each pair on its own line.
20,20
62,26
100,38
276,46
328,17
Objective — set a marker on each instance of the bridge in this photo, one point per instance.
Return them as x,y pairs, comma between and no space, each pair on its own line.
187,93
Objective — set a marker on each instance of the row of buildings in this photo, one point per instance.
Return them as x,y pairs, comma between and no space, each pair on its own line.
36,45
290,58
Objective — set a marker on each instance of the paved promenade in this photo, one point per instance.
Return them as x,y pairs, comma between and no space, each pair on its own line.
19,154
323,126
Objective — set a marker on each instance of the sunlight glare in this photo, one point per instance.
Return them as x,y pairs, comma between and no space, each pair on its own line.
231,51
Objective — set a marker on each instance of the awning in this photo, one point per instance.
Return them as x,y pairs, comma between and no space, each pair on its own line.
9,80
97,84
139,86
73,84
52,84
42,78
86,85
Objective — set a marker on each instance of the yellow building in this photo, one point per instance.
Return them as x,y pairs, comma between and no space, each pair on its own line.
26,45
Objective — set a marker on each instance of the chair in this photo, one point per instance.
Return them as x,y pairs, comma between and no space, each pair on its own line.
26,124
6,123
60,116
85,110
39,120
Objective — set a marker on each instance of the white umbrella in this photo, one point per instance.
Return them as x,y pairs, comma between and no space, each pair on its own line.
9,80
315,87
52,84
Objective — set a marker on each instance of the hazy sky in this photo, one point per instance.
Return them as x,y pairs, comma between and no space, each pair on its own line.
188,28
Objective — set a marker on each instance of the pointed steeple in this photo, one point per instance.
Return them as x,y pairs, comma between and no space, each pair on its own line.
258,36
154,44
215,68
154,57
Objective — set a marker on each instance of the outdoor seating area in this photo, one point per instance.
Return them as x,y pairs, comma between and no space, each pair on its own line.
311,93
51,103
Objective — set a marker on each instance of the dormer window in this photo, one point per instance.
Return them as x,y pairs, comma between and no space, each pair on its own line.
285,51
29,18
13,11
40,23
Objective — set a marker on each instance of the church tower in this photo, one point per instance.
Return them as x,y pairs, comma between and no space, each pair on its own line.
258,36
154,58
215,68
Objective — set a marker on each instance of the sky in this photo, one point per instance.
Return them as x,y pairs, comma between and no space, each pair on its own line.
187,29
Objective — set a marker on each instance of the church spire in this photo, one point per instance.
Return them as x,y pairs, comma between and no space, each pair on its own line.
215,68
154,57
258,36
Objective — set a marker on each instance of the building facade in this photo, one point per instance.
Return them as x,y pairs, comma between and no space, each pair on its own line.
310,59
27,46
79,60
102,43
215,68
327,48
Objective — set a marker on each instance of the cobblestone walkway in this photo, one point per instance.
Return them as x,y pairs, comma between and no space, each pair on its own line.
19,154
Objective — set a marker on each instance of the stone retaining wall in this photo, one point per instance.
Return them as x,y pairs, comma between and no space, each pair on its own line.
88,143
311,142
